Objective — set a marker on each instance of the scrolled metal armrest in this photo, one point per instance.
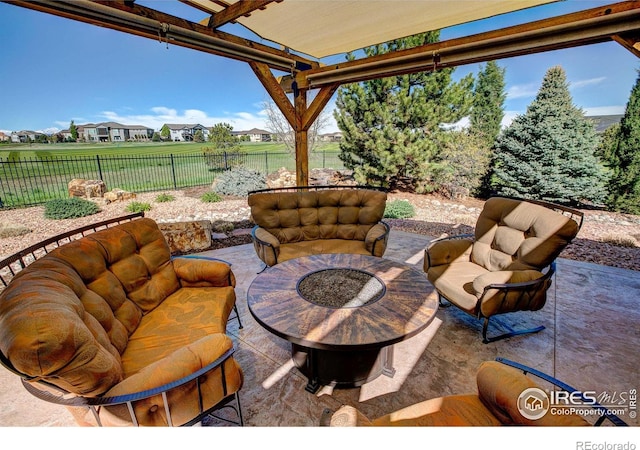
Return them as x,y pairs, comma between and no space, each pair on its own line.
565,387
449,238
522,285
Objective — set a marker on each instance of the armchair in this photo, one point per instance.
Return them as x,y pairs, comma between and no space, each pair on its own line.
500,400
507,264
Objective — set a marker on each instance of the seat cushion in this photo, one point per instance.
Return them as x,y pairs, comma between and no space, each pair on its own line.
500,386
184,317
454,410
308,248
455,283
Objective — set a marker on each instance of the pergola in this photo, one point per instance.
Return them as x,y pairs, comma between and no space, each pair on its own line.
302,32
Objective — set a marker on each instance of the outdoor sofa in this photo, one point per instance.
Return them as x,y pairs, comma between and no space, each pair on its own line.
114,328
304,221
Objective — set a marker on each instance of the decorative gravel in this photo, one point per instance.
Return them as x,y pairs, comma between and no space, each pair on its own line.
598,241
340,288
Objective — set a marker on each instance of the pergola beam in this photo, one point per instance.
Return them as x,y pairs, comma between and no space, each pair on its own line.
146,22
235,10
620,22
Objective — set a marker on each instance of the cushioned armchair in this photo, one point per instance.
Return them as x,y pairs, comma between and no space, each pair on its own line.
507,265
505,396
305,221
113,328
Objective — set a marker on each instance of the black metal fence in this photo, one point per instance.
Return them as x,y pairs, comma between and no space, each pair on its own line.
33,181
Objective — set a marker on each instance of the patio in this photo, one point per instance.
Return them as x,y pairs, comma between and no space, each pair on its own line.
590,342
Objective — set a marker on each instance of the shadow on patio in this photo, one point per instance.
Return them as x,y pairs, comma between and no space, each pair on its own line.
590,342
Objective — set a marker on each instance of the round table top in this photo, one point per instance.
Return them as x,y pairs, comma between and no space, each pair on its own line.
407,306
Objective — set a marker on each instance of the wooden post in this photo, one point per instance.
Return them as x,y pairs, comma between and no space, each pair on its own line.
302,142
299,116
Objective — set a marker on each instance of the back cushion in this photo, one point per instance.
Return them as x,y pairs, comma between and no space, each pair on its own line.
67,317
512,235
322,214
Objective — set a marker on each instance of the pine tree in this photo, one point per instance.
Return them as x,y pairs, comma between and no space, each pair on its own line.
624,159
488,102
487,113
165,132
390,126
548,152
73,130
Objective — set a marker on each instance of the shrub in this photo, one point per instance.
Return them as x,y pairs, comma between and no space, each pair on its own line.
8,230
399,209
620,240
69,208
239,181
164,197
136,207
211,197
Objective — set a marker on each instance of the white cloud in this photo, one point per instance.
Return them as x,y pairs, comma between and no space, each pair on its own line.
508,117
603,110
583,83
160,115
522,90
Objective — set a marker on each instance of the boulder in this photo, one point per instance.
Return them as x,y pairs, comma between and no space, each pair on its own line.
79,187
187,237
118,195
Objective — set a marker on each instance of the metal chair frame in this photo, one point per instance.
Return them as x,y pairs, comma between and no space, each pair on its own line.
95,403
11,265
606,413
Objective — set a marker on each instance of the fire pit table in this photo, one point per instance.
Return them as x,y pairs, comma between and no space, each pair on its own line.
342,313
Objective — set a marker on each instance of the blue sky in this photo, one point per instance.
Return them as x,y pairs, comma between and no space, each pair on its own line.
55,70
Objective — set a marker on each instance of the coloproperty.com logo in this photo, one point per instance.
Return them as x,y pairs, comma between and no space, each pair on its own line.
535,403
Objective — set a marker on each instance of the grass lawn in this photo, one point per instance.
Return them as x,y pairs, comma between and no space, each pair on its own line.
35,173
134,149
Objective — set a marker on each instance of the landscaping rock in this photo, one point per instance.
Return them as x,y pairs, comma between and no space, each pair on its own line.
118,195
187,237
79,187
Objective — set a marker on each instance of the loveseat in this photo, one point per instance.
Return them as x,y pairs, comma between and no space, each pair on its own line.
114,328
304,221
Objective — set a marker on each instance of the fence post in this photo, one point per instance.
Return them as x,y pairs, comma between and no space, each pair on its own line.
266,162
226,162
99,168
173,172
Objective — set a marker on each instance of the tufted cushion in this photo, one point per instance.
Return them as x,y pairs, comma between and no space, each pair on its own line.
512,235
322,214
47,332
499,387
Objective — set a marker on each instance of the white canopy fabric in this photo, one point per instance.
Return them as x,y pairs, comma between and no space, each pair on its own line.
321,28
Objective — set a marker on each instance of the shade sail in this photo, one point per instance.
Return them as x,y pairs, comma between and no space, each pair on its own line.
321,28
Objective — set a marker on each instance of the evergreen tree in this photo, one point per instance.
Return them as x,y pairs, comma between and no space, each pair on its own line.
487,113
165,132
391,126
624,159
222,138
73,130
548,152
488,102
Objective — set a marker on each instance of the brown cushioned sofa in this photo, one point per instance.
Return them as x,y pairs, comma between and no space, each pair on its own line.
114,328
304,221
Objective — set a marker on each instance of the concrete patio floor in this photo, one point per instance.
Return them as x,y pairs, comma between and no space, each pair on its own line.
591,342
